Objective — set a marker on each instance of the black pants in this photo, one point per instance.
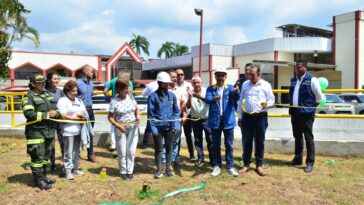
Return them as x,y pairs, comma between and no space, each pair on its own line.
90,150
302,125
168,137
253,129
147,134
60,141
187,129
199,127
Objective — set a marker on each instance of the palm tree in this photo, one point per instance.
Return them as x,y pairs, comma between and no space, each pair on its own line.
13,27
140,43
180,49
167,49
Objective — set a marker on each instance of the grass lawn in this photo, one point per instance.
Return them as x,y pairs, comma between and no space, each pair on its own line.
341,183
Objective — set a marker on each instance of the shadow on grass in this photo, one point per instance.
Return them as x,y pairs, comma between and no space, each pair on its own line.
26,179
185,165
141,166
105,154
149,152
144,165
111,171
276,162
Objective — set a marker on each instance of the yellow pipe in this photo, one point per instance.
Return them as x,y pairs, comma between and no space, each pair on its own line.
12,111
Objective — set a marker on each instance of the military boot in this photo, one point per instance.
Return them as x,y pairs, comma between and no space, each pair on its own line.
45,178
39,181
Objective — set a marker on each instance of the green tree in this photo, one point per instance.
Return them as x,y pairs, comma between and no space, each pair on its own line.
180,49
140,43
167,49
13,27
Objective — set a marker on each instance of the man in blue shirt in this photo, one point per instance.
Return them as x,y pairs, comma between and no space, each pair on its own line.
222,97
85,92
164,117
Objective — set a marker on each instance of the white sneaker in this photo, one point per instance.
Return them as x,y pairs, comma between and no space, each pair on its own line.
69,176
233,172
78,172
216,171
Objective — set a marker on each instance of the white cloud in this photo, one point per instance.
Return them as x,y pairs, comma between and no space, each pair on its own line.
85,26
272,32
230,35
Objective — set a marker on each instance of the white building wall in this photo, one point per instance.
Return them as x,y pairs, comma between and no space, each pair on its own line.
205,64
285,73
205,79
221,62
361,51
240,61
285,56
284,76
47,60
345,48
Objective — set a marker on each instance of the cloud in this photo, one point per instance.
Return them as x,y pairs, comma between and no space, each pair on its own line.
230,35
85,26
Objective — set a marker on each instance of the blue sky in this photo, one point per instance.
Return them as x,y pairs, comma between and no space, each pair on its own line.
102,26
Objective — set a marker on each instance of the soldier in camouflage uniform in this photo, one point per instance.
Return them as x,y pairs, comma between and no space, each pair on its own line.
39,105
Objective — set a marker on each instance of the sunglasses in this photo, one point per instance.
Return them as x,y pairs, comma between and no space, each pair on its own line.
180,74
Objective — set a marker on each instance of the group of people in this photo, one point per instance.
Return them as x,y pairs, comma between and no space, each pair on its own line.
43,106
173,104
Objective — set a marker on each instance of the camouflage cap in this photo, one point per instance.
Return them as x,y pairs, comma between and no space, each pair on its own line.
37,79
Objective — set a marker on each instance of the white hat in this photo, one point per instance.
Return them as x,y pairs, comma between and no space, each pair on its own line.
220,70
163,77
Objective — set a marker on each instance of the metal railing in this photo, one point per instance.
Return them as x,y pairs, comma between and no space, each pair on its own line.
16,98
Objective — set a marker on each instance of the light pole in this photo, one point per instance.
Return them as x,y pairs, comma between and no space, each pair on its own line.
199,12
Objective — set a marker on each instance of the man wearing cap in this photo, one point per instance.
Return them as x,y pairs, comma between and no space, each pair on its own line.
222,97
163,116
38,107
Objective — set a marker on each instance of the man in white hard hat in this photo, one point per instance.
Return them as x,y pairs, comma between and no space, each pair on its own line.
222,97
163,115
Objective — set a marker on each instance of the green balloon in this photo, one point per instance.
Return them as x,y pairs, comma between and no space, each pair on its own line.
322,103
324,83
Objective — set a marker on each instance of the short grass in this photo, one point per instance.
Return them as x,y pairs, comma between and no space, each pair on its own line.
342,183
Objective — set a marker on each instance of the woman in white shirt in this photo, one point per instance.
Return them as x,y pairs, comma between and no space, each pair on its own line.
124,114
71,108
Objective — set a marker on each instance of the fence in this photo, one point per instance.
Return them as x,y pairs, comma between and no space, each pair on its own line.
11,102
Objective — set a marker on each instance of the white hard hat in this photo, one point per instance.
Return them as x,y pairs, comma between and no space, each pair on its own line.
164,77
220,70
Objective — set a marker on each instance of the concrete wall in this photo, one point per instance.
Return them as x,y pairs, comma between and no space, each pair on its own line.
332,136
345,48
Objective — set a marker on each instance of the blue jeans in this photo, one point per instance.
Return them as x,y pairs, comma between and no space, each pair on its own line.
216,147
90,150
254,127
198,128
